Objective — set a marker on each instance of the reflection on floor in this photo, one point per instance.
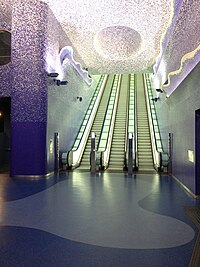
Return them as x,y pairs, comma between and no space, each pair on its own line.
79,219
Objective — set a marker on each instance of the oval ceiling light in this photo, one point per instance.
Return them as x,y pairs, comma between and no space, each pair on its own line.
117,42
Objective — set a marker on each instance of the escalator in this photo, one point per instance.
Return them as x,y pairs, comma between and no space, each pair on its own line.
124,108
97,124
160,156
144,147
116,161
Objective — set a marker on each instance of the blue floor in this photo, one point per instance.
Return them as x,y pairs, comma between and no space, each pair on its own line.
78,219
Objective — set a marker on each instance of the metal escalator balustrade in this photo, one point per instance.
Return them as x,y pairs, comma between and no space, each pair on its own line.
144,148
160,157
104,144
73,157
117,152
97,124
131,126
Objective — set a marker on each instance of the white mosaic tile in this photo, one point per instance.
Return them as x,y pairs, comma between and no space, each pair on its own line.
118,36
181,53
119,50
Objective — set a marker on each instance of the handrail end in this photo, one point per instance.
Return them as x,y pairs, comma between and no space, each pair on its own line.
67,160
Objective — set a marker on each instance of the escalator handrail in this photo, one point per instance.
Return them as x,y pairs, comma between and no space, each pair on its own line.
151,127
98,87
127,127
156,153
152,103
74,155
135,127
104,119
104,154
130,130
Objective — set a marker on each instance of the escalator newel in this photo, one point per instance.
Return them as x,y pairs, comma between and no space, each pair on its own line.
130,154
93,154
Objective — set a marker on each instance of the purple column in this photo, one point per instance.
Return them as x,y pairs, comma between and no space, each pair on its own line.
29,89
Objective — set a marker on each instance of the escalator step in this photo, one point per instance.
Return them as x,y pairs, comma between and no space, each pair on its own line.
116,166
145,154
114,151
144,142
143,159
145,166
143,128
117,145
143,134
119,137
117,160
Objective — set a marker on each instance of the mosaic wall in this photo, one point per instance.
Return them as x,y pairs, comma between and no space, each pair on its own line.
37,39
181,51
5,71
165,40
29,88
5,14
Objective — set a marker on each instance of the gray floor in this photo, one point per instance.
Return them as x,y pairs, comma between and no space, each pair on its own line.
142,215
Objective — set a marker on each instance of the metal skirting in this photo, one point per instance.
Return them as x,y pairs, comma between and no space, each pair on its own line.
187,190
32,177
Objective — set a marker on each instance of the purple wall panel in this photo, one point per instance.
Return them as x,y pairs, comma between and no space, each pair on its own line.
28,146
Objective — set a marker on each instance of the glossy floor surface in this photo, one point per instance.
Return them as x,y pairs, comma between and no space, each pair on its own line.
79,219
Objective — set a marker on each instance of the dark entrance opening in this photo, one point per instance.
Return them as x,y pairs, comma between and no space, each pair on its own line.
5,108
5,47
197,151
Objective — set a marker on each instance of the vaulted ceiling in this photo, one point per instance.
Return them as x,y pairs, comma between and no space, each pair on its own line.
126,36
119,36
115,35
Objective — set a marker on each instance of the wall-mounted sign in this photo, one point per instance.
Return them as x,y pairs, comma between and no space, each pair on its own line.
191,155
51,146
